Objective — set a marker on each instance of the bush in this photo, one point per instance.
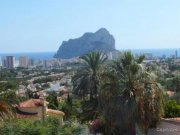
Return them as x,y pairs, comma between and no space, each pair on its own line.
53,121
70,108
43,80
28,127
172,109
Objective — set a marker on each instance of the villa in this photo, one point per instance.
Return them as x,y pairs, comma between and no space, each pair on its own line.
37,109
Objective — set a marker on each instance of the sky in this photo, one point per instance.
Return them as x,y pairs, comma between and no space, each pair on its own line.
42,25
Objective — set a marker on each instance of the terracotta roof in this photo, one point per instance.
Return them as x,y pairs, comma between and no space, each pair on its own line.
55,112
32,103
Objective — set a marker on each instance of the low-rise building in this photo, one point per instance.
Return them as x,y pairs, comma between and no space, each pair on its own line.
37,109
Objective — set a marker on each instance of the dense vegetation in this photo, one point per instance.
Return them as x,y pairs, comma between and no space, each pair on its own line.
172,109
49,127
69,106
110,97
118,96
43,80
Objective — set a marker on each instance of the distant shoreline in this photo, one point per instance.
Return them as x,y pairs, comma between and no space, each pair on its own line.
49,55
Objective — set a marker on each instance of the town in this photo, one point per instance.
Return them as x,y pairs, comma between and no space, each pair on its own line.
89,67
45,88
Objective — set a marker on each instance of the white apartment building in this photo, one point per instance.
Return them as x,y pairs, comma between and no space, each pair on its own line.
23,61
0,61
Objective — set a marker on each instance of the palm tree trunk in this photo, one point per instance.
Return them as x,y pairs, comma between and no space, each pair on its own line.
91,94
132,129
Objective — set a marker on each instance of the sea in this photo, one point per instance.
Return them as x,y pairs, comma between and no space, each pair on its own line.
49,55
156,52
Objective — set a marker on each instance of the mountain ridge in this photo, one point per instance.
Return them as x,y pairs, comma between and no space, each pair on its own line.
100,40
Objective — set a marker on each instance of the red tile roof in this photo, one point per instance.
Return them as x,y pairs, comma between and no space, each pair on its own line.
32,103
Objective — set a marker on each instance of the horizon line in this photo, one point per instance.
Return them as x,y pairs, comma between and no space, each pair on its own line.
116,49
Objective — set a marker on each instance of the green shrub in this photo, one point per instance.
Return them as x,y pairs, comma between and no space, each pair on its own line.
53,121
29,127
172,109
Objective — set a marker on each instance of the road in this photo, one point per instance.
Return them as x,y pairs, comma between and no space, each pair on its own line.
166,128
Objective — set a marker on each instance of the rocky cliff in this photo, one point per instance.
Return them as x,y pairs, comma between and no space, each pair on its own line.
101,40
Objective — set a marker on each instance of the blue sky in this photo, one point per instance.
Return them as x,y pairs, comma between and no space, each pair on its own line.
42,25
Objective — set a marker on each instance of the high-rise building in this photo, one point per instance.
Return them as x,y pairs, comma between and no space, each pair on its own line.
0,61
176,54
47,64
31,62
23,61
4,63
9,62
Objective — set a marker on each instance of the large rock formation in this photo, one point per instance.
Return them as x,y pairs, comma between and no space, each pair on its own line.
101,40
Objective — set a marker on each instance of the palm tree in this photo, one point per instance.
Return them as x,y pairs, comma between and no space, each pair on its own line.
86,80
7,99
127,71
86,83
134,94
150,102
6,108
